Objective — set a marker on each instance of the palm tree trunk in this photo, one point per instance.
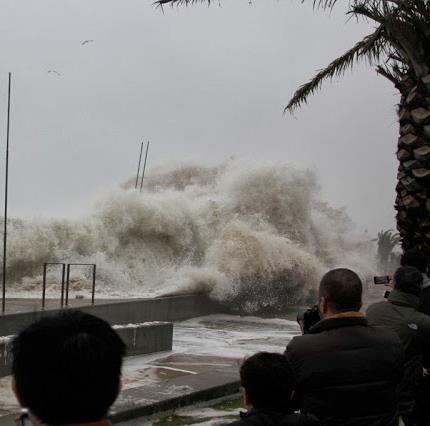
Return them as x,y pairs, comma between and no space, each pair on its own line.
413,188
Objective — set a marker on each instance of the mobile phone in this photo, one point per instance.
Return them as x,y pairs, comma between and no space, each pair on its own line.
383,279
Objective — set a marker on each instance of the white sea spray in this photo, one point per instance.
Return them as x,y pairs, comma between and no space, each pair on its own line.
255,236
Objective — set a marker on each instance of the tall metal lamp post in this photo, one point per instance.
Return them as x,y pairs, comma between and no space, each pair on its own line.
5,199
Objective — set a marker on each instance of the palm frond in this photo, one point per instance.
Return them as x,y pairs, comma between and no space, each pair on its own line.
386,72
323,4
388,239
410,42
368,10
161,3
402,36
370,48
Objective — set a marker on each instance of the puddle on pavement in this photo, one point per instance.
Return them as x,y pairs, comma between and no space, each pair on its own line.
151,374
209,415
168,373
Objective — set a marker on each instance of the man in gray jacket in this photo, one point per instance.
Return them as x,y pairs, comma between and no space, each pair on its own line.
416,258
413,327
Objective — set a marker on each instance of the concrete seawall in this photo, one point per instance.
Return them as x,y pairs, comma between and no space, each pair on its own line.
143,324
146,338
140,339
170,308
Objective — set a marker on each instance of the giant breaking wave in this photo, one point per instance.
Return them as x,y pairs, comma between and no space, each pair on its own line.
256,237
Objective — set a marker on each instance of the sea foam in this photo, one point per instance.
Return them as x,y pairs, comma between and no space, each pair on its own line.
254,236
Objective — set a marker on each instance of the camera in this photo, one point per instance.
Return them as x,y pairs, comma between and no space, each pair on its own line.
384,279
309,317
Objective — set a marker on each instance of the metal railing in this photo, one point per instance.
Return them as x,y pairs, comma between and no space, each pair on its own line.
65,281
93,290
63,273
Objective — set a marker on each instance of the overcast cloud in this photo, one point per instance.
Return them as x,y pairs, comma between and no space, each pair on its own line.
202,84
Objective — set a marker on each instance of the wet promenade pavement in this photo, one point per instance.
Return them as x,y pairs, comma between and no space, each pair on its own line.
203,365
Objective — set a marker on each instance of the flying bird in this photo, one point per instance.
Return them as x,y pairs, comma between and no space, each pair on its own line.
86,42
54,72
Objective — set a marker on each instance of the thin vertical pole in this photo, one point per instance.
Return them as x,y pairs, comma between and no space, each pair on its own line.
5,199
44,285
63,272
67,284
138,167
144,166
93,291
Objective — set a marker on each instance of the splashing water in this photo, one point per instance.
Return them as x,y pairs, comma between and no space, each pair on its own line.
253,236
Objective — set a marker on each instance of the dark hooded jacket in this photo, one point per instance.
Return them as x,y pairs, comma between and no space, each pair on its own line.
348,373
400,314
256,417
424,305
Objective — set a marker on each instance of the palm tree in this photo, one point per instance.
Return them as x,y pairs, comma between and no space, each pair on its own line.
387,241
399,48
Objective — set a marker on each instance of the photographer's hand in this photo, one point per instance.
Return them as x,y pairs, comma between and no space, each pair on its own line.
302,326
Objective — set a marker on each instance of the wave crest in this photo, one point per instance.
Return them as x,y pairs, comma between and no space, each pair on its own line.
256,237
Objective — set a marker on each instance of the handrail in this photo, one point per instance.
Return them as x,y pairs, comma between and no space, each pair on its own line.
93,290
45,267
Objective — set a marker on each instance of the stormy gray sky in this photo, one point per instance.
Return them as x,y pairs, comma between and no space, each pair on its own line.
202,83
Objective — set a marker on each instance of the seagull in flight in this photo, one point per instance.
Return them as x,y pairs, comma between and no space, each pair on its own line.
54,72
86,42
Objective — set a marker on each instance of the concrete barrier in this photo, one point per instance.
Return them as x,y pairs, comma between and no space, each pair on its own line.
144,338
171,308
5,359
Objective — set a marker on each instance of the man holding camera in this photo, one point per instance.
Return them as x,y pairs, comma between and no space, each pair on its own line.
400,313
346,372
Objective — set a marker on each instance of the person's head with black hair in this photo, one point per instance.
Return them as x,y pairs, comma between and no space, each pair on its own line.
340,291
267,382
408,280
416,258
67,368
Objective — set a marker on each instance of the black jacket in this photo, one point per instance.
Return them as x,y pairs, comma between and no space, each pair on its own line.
256,417
348,373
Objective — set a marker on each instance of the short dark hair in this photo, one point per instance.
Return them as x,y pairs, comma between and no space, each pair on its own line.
343,289
416,258
67,367
409,280
268,381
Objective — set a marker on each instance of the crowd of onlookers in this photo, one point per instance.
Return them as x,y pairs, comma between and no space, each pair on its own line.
350,368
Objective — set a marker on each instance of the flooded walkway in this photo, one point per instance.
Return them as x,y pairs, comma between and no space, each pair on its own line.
203,365
206,355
